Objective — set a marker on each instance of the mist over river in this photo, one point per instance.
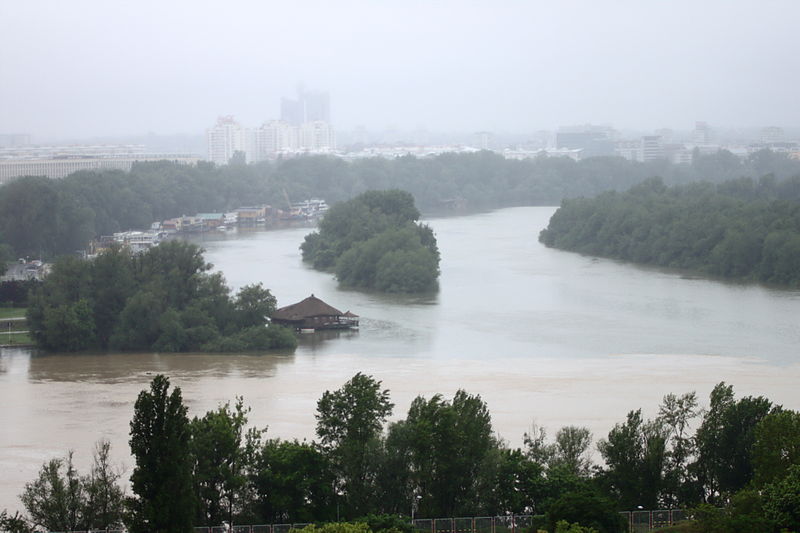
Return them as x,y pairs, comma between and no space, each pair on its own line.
540,334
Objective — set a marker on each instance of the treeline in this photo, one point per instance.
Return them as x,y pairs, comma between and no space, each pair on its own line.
163,300
42,217
741,229
739,470
375,242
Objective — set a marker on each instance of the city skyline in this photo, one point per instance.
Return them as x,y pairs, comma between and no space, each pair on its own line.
450,66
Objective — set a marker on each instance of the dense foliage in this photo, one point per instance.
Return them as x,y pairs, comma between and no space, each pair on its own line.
43,217
162,300
373,241
741,229
739,469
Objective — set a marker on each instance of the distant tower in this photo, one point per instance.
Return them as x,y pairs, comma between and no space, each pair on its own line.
318,106
292,111
308,107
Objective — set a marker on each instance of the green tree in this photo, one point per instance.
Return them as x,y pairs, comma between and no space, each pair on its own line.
349,422
68,327
112,283
588,508
15,523
164,500
725,442
104,497
220,462
782,500
777,446
450,443
254,305
572,450
676,413
293,482
55,500
635,456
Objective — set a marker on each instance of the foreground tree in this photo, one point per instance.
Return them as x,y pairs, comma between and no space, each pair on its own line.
164,501
220,462
449,446
292,482
635,455
15,523
725,442
104,497
349,423
777,446
55,501
60,499
676,413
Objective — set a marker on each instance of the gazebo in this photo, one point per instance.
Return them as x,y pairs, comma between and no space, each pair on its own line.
313,313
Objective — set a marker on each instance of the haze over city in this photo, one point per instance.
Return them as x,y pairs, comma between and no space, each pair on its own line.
74,70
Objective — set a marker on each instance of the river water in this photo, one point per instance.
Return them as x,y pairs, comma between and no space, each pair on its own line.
540,334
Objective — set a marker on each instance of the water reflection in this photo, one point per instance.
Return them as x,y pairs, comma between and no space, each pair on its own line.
138,367
314,341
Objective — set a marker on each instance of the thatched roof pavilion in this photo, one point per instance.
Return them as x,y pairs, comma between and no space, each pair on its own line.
313,313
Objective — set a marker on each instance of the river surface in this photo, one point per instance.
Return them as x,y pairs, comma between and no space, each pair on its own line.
540,334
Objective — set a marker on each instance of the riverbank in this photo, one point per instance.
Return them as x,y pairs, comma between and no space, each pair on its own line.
14,328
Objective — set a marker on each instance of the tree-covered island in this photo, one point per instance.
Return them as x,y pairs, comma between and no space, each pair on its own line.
742,229
164,300
375,242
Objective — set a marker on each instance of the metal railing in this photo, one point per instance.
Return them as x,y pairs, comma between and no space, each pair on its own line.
645,521
637,522
479,524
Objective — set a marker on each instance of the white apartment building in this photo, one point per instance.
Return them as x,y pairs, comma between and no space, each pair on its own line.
317,136
61,167
273,137
225,139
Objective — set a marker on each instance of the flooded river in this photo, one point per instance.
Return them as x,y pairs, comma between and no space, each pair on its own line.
540,334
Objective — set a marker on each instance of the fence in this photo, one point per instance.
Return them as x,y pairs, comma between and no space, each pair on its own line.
637,522
263,528
645,521
480,524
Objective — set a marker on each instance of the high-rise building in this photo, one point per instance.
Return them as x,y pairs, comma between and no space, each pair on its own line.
701,133
318,106
292,111
317,136
225,139
593,140
652,148
308,107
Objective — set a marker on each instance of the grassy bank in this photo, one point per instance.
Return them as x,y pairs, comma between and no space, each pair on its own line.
12,339
12,312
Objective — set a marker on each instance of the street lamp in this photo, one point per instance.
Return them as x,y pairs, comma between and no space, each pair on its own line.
339,494
415,506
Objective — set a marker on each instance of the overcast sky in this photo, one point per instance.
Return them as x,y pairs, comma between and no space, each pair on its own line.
85,68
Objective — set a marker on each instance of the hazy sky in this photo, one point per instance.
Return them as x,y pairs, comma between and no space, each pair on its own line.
84,68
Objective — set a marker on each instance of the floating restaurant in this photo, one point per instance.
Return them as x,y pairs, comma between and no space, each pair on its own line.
313,314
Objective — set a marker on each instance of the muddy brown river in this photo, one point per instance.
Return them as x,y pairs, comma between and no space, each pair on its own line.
540,334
